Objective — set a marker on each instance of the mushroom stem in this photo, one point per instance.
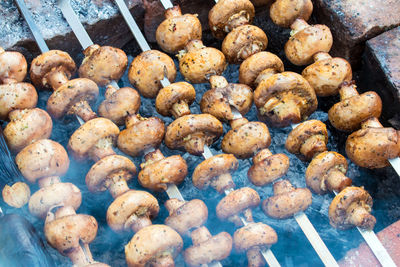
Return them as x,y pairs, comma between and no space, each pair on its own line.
8,81
174,11
284,109
83,110
313,146
110,91
195,143
248,215
173,204
47,181
102,149
200,235
153,156
223,182
347,90
336,181
264,75
194,45
139,222
236,20
298,25
165,260
118,185
262,155
254,257
180,109
132,119
217,81
56,78
371,123
283,187
250,49
321,56
64,211
238,122
359,215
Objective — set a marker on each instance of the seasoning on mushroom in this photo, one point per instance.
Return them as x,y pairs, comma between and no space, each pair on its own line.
284,12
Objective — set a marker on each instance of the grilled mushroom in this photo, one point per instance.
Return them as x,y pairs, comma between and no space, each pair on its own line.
103,64
308,139
284,12
267,167
16,96
306,41
192,132
286,201
197,62
175,99
148,69
352,207
13,67
353,109
177,30
156,245
327,172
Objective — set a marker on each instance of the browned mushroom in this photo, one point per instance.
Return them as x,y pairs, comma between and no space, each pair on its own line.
13,67
27,126
16,195
197,62
216,171
253,237
373,145
103,64
238,202
229,14
284,12
93,139
119,104
218,100
175,99
246,138
158,171
287,200
148,69
327,172
353,109
192,132
267,167
307,40
326,74
352,207
308,139
285,98
155,245
177,30
242,42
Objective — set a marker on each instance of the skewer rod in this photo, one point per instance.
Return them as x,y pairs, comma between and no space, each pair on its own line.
166,4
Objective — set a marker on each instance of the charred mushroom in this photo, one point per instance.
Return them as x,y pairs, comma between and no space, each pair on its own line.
308,139
216,171
148,69
327,172
229,14
197,62
352,207
286,201
175,99
153,245
285,98
353,109
13,67
177,30
326,74
236,203
103,64
267,167
192,132
284,12
307,40
242,42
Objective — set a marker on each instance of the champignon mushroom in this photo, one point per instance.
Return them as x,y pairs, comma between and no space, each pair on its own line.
192,132
327,172
218,100
306,41
242,42
119,104
246,138
93,139
258,67
216,171
13,67
175,99
16,96
158,171
237,202
27,126
352,207
140,135
353,109
267,167
308,139
153,245
284,12
197,62
148,69
177,30
286,201
372,145
285,98
253,237
103,64
229,14
132,210
326,74
16,195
